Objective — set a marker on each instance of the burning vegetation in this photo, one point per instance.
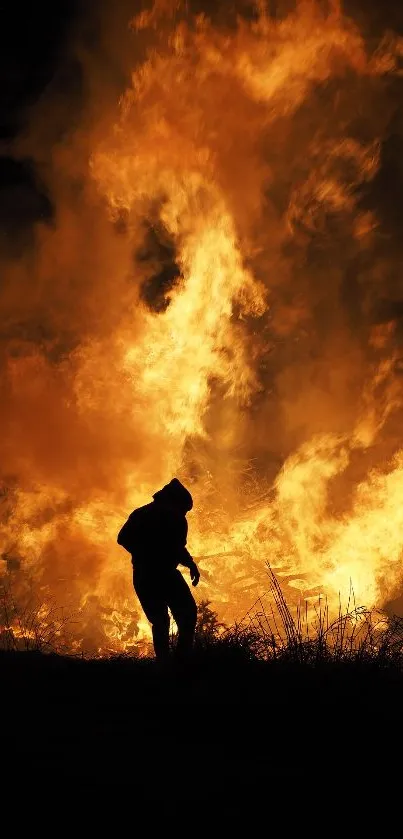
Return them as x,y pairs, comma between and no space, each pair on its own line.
217,297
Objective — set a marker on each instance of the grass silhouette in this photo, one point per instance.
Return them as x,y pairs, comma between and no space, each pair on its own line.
267,699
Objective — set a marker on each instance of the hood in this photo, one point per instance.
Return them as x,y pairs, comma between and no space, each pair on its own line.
175,494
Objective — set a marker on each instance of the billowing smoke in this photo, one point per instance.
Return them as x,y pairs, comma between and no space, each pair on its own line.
210,288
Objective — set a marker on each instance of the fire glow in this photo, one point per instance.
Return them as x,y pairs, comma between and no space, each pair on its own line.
199,297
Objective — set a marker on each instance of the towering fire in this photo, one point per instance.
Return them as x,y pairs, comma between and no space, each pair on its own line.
216,300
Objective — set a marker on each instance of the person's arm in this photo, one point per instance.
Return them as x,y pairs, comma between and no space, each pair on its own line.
187,560
126,534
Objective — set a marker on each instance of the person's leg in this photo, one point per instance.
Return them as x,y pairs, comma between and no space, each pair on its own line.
184,611
156,610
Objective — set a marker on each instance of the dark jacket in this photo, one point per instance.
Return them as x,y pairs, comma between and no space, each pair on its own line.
155,535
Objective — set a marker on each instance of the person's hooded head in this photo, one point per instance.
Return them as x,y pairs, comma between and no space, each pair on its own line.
175,495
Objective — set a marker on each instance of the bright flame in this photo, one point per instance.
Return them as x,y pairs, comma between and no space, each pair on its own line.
175,375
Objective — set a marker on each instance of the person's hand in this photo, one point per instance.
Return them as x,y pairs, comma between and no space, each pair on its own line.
194,574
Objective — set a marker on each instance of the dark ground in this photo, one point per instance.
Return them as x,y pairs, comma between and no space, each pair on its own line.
222,724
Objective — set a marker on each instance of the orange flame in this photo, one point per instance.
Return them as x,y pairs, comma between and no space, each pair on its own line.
235,147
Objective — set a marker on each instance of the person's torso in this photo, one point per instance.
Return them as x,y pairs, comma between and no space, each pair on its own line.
159,536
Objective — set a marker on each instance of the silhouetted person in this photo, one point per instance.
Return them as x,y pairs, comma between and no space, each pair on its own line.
155,536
